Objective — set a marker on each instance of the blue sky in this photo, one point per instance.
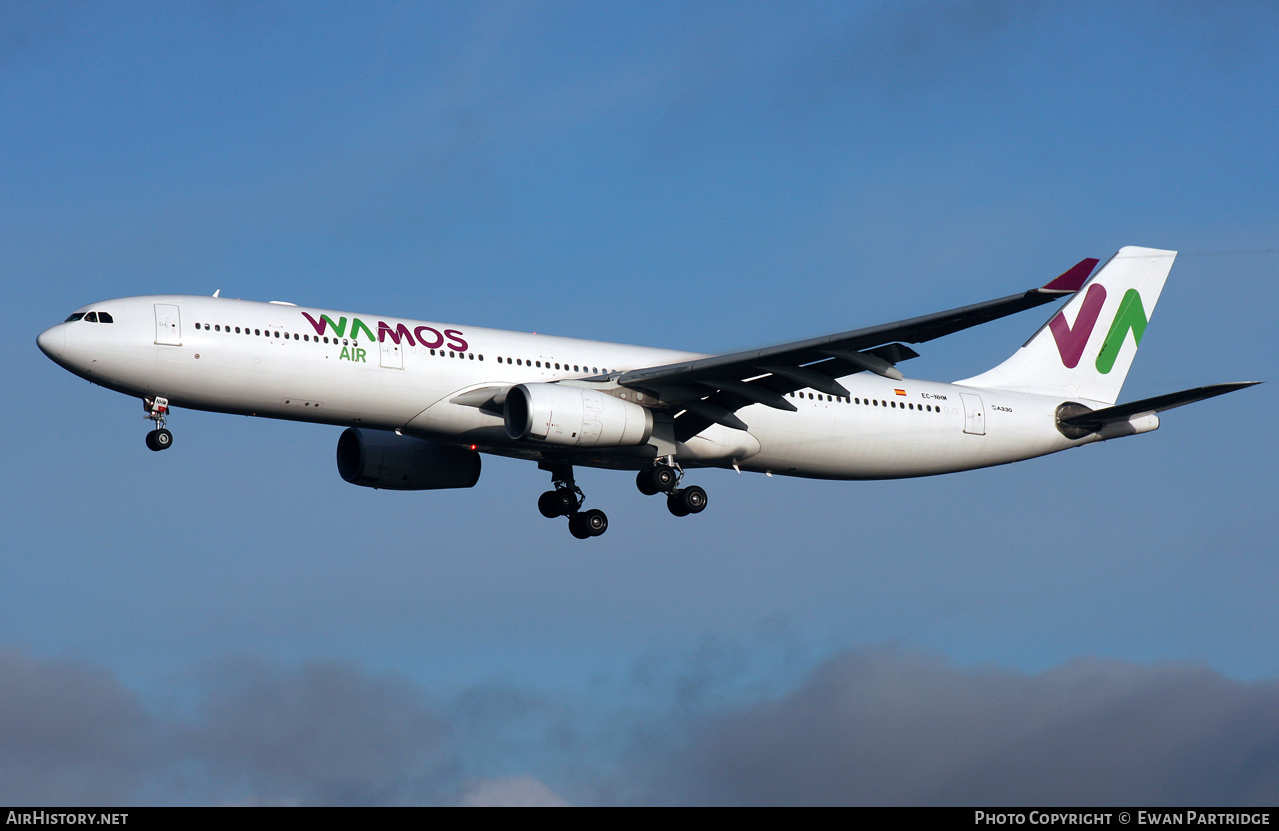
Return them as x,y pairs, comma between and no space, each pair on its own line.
229,621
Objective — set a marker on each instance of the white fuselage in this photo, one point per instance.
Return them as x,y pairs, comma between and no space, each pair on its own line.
302,364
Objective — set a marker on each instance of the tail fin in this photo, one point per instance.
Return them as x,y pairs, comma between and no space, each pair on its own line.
1085,350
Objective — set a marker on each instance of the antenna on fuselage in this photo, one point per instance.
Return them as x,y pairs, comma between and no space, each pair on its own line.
216,293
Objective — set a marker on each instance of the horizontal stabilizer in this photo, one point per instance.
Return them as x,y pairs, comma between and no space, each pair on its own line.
1095,419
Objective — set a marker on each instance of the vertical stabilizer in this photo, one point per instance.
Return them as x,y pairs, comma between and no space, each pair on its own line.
1086,349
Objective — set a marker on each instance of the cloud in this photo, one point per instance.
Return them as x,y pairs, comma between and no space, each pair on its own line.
323,734
69,734
878,726
510,792
886,727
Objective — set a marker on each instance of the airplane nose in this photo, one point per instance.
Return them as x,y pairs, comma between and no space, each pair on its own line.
52,341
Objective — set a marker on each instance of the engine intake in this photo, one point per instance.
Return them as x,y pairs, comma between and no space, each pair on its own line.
378,459
575,417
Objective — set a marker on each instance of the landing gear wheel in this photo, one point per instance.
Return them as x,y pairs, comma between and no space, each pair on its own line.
568,501
644,481
549,504
559,502
594,521
159,439
663,477
675,504
694,499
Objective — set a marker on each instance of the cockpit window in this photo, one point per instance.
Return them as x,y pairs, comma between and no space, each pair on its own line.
91,317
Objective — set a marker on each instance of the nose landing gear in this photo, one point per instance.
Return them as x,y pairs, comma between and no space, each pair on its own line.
157,408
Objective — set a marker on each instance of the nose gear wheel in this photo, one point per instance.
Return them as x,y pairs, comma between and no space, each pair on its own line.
157,408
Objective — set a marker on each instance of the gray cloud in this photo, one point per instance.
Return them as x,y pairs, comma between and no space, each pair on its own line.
876,726
327,733
904,728
69,734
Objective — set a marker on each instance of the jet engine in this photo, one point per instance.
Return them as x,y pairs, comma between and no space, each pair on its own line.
575,417
378,459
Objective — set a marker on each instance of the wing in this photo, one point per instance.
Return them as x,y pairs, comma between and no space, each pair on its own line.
711,390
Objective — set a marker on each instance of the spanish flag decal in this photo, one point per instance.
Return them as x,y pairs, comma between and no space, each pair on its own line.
900,392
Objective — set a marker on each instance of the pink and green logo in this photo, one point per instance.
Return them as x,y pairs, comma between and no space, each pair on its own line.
425,335
1071,340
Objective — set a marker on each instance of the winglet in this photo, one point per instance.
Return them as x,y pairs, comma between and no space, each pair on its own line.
1073,278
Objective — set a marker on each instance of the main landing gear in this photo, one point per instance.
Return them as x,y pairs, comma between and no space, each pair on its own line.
159,438
664,477
566,500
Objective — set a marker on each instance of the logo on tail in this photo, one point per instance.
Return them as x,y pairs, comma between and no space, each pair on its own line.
1072,340
1130,316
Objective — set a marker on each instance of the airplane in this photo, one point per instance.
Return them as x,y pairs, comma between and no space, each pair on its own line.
421,401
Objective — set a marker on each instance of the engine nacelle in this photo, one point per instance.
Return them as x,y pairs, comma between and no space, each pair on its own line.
575,417
378,459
